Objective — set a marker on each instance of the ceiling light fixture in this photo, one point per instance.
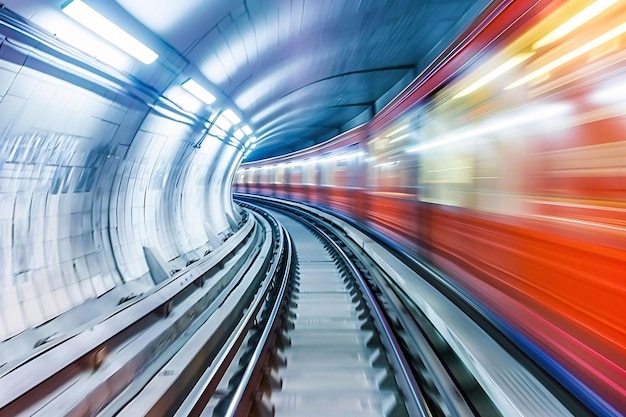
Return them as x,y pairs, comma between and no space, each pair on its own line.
108,30
198,91
223,123
231,116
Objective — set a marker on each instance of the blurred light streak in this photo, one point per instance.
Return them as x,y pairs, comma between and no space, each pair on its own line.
572,24
537,114
614,93
508,65
398,130
344,157
183,99
386,164
612,34
223,123
406,135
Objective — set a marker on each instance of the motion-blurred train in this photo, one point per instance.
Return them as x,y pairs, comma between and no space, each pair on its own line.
504,165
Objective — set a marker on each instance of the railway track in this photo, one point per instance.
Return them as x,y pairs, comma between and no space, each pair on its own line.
322,346
304,323
338,353
463,367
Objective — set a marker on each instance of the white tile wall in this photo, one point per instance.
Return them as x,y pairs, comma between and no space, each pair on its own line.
88,177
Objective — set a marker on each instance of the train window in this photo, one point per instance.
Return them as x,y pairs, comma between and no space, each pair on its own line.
389,168
326,171
340,168
295,174
241,177
310,172
279,174
265,176
250,178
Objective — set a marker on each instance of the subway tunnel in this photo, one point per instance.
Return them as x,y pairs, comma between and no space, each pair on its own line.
469,154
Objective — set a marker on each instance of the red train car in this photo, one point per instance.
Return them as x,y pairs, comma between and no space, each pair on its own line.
503,164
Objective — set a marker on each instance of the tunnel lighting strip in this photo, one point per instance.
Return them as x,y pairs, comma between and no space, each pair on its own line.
198,91
572,24
239,134
108,30
223,123
610,35
231,116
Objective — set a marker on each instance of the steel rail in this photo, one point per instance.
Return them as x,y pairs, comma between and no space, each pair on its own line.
236,404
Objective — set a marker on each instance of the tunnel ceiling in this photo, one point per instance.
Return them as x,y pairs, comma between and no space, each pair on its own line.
301,71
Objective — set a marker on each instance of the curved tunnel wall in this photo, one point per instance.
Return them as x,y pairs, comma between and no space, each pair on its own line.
91,173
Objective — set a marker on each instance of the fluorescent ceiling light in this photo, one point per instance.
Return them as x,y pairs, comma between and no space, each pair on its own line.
611,34
198,91
231,116
239,134
572,24
223,123
508,65
246,129
253,139
108,30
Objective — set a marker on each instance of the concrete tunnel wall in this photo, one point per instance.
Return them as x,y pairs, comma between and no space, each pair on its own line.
91,172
